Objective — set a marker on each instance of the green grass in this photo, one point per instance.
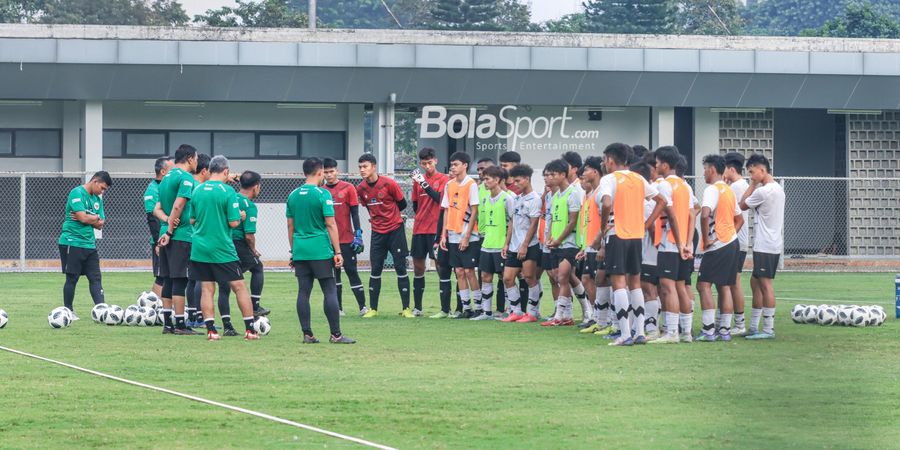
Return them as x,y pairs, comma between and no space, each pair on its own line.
447,384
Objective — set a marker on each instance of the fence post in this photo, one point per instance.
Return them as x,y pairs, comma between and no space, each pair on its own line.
22,184
781,260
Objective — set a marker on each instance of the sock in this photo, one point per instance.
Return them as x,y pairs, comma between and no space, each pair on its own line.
578,290
476,298
445,290
248,323
512,294
686,323
768,320
487,295
739,319
210,325
671,323
501,296
191,314
360,294
755,315
464,297
620,299
167,317
459,303
403,288
603,295
587,309
418,291
636,300
226,322
708,319
725,324
564,308
534,300
651,310
179,321
523,288
255,300
374,291
557,311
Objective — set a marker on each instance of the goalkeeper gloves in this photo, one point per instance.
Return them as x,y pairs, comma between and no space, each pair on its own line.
357,244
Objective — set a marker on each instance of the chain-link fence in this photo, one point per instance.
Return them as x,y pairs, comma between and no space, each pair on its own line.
830,223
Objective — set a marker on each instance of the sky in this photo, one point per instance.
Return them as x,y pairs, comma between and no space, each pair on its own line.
541,10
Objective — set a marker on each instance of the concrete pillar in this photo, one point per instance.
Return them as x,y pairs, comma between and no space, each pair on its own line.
356,119
662,127
384,136
706,136
93,137
71,136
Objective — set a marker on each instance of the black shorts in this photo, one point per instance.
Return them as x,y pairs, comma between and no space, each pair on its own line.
547,261
490,262
467,259
175,259
79,261
320,269
443,257
422,246
648,274
717,266
349,256
564,254
154,260
765,264
532,254
623,256
670,266
393,242
739,262
589,265
246,256
218,272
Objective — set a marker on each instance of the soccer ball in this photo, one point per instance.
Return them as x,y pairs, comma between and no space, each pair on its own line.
114,315
132,308
262,326
148,300
827,315
160,318
859,317
810,314
4,318
133,316
871,315
880,315
797,313
98,313
142,317
59,318
843,315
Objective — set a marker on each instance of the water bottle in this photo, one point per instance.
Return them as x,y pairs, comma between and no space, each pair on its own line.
897,298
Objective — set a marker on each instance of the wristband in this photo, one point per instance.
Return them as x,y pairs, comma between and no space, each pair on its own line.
169,234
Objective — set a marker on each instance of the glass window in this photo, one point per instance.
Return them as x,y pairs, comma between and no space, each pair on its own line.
234,145
322,145
38,143
280,145
201,140
6,143
112,144
145,144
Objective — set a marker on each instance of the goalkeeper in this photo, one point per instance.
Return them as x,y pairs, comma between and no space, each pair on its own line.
346,215
426,200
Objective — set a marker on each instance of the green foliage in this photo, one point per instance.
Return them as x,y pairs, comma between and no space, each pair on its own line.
109,12
791,17
569,23
709,17
18,11
859,20
491,15
253,14
630,16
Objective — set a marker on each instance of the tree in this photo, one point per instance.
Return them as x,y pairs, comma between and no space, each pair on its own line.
630,16
249,13
514,16
464,14
859,20
791,17
709,17
18,11
569,23
111,12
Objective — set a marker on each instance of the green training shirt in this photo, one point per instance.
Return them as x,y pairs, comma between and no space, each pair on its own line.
309,205
248,225
151,197
75,233
177,183
214,205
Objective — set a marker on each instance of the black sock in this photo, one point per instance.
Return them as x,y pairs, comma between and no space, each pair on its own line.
248,323
210,325
167,318
403,287
445,288
459,303
501,295
179,322
360,295
340,288
255,301
418,291
226,322
523,288
374,291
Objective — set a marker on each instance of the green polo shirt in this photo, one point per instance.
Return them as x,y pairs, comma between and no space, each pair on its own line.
75,233
309,205
213,205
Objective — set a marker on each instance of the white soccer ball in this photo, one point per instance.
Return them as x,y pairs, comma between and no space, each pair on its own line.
143,319
114,315
98,313
132,308
148,300
797,313
810,314
880,316
843,317
132,317
262,326
160,318
827,315
859,316
4,318
59,318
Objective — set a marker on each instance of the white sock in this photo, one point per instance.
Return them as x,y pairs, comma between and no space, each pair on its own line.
725,324
476,299
671,323
651,310
487,291
534,300
464,298
512,299
587,309
768,320
636,299
603,294
739,320
557,311
686,323
578,290
565,307
708,319
755,315
620,298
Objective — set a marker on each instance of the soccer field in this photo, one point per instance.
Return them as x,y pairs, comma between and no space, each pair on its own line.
447,383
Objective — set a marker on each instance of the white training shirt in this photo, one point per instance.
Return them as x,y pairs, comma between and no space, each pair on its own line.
452,236
548,218
739,187
526,207
711,201
608,188
767,202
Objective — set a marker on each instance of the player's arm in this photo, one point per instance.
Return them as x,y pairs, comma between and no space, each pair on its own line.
153,225
159,213
175,216
331,225
704,226
505,250
467,233
605,209
529,235
657,210
742,202
290,232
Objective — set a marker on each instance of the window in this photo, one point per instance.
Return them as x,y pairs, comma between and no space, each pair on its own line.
6,148
322,144
201,140
234,145
40,143
112,144
278,145
145,144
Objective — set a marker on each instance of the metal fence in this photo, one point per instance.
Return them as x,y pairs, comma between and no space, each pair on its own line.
830,223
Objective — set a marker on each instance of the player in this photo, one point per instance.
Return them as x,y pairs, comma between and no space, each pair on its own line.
522,251
734,166
573,159
151,196
215,212
508,160
313,233
426,201
766,197
193,291
384,200
622,193
589,216
564,206
548,264
175,192
460,234
77,243
649,278
346,216
494,231
588,224
720,219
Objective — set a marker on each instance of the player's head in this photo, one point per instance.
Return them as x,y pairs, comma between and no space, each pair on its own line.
99,183
428,160
187,156
331,172
617,156
758,166
162,166
713,168
521,176
251,182
201,171
482,164
593,168
573,159
218,168
368,165
587,183
639,153
642,169
681,167
666,160
314,170
555,172
459,164
493,176
510,159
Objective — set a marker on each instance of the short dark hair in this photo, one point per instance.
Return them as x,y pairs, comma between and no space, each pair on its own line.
641,168
312,165
160,163
681,167
202,162
184,153
427,153
716,161
735,160
511,156
367,157
669,155
483,160
249,179
494,172
521,170
573,159
557,166
462,157
103,177
580,171
328,163
639,152
758,159
217,164
594,162
619,152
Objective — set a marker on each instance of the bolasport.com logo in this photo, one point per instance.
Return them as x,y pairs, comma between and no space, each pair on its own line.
539,132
